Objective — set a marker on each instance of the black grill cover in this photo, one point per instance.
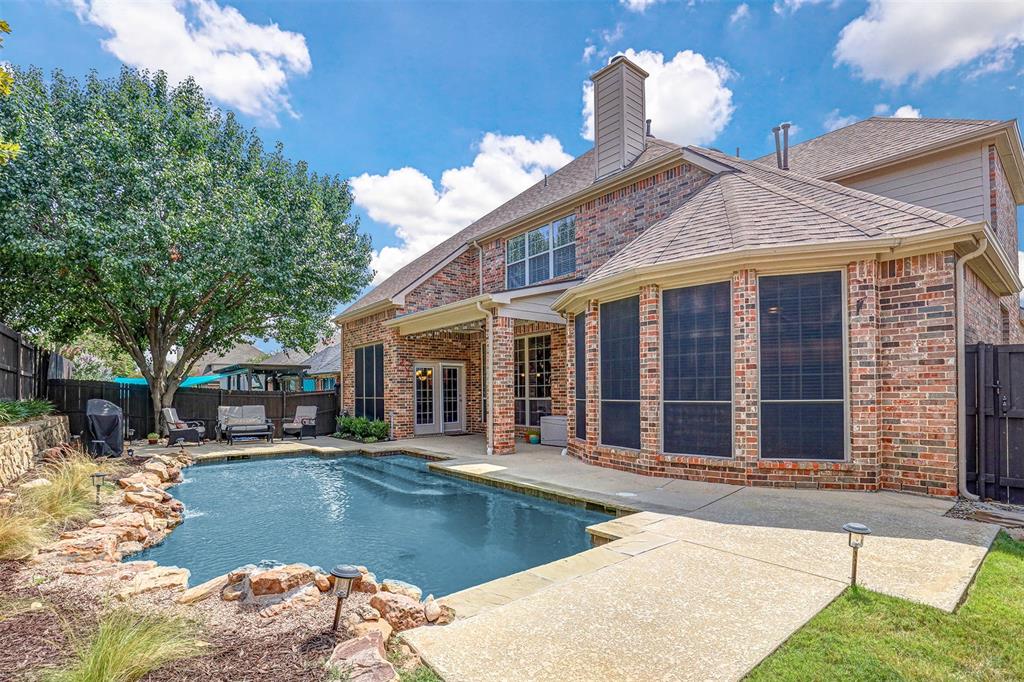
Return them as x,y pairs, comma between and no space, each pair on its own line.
106,428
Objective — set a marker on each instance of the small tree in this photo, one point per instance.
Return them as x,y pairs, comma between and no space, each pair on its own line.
139,212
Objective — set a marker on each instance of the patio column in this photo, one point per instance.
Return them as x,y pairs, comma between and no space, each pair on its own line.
745,367
650,371
503,428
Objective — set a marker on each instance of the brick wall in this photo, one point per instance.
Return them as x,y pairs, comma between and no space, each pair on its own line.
456,281
1003,212
917,394
606,224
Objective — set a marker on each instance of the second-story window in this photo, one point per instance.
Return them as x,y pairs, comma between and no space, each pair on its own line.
543,253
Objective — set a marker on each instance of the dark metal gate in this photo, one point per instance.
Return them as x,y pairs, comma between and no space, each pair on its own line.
994,404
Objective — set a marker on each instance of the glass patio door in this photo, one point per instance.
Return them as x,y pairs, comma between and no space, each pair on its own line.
452,400
439,402
424,400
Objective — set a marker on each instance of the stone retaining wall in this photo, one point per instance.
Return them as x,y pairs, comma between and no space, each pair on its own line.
20,443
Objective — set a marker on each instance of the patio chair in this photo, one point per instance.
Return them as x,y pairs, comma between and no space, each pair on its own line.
243,421
304,423
182,430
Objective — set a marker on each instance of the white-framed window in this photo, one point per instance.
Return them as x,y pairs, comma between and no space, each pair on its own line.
542,253
532,355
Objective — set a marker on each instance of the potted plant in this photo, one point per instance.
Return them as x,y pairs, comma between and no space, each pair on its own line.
533,436
153,438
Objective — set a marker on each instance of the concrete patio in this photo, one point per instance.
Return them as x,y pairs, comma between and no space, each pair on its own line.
702,584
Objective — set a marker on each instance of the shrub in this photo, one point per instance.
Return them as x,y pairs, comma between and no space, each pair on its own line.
69,497
126,647
20,533
363,429
13,411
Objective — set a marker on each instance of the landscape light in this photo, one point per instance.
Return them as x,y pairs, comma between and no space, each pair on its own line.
856,532
97,480
344,575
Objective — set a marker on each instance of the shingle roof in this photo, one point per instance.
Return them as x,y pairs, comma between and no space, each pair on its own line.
243,352
325,361
756,206
871,141
575,176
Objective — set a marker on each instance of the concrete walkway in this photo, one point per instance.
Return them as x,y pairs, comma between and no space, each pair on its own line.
703,584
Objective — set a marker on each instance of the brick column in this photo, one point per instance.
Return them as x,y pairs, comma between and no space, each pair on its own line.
863,346
593,373
570,378
650,370
503,427
745,367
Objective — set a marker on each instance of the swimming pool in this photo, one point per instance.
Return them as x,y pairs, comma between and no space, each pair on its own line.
390,514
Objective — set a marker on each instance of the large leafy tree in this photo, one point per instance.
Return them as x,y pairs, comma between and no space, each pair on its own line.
139,212
8,150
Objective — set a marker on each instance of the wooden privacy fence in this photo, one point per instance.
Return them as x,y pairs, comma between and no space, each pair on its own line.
24,368
198,404
994,408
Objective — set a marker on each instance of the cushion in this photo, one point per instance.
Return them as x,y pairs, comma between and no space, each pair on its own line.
180,425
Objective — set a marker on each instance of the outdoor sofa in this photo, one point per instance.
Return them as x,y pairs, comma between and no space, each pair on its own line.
243,421
182,430
304,423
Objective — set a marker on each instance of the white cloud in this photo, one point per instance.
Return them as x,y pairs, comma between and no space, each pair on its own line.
424,215
589,51
895,41
882,109
782,6
740,13
907,111
605,39
638,5
834,120
241,64
687,97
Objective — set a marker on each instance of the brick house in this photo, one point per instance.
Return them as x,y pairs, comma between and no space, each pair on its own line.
795,320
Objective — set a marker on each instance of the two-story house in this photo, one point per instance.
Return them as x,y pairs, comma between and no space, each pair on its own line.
795,320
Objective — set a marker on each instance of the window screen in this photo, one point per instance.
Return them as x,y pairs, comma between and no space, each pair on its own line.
581,374
802,413
697,370
620,373
542,253
369,376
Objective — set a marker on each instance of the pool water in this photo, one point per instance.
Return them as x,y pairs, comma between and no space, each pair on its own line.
390,514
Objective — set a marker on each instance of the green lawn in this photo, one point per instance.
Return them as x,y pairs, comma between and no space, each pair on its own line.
868,636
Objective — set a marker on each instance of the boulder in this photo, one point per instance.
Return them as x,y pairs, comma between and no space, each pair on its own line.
203,590
89,544
160,470
241,573
305,598
363,659
404,613
35,483
367,627
233,593
140,478
123,571
280,580
431,609
130,547
323,582
367,583
446,616
158,578
401,587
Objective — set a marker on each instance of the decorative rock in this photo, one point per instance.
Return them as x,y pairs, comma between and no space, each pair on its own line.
431,609
323,582
35,483
303,599
90,546
365,612
367,627
232,593
140,478
280,580
367,583
130,547
203,590
401,587
363,659
158,578
241,573
404,613
124,571
159,469
447,615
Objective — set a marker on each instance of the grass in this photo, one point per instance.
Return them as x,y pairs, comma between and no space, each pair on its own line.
868,636
126,646
70,496
20,533
14,411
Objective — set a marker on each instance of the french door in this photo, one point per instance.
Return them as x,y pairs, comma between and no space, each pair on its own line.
439,401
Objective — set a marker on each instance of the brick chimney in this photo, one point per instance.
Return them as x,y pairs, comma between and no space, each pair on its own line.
619,115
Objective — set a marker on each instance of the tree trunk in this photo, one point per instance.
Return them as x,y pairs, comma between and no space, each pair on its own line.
161,392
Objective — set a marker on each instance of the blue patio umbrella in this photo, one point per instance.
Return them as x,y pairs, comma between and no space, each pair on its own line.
188,382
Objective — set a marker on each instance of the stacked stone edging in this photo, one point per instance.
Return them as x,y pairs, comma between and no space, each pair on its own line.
20,443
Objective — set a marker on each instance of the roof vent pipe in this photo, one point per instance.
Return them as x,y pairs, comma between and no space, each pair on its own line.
649,128
785,147
778,147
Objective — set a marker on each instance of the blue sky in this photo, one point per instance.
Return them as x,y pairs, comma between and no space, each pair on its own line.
441,111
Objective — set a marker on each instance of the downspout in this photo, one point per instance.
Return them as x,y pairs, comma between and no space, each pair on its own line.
961,378
489,317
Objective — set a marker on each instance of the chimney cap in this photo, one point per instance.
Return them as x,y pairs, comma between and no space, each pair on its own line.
616,61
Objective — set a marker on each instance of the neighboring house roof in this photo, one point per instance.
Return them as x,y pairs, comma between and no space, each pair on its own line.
325,361
755,206
243,352
873,141
287,357
576,176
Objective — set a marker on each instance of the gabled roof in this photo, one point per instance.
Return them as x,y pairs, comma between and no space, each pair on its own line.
751,211
325,361
576,176
243,352
873,141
